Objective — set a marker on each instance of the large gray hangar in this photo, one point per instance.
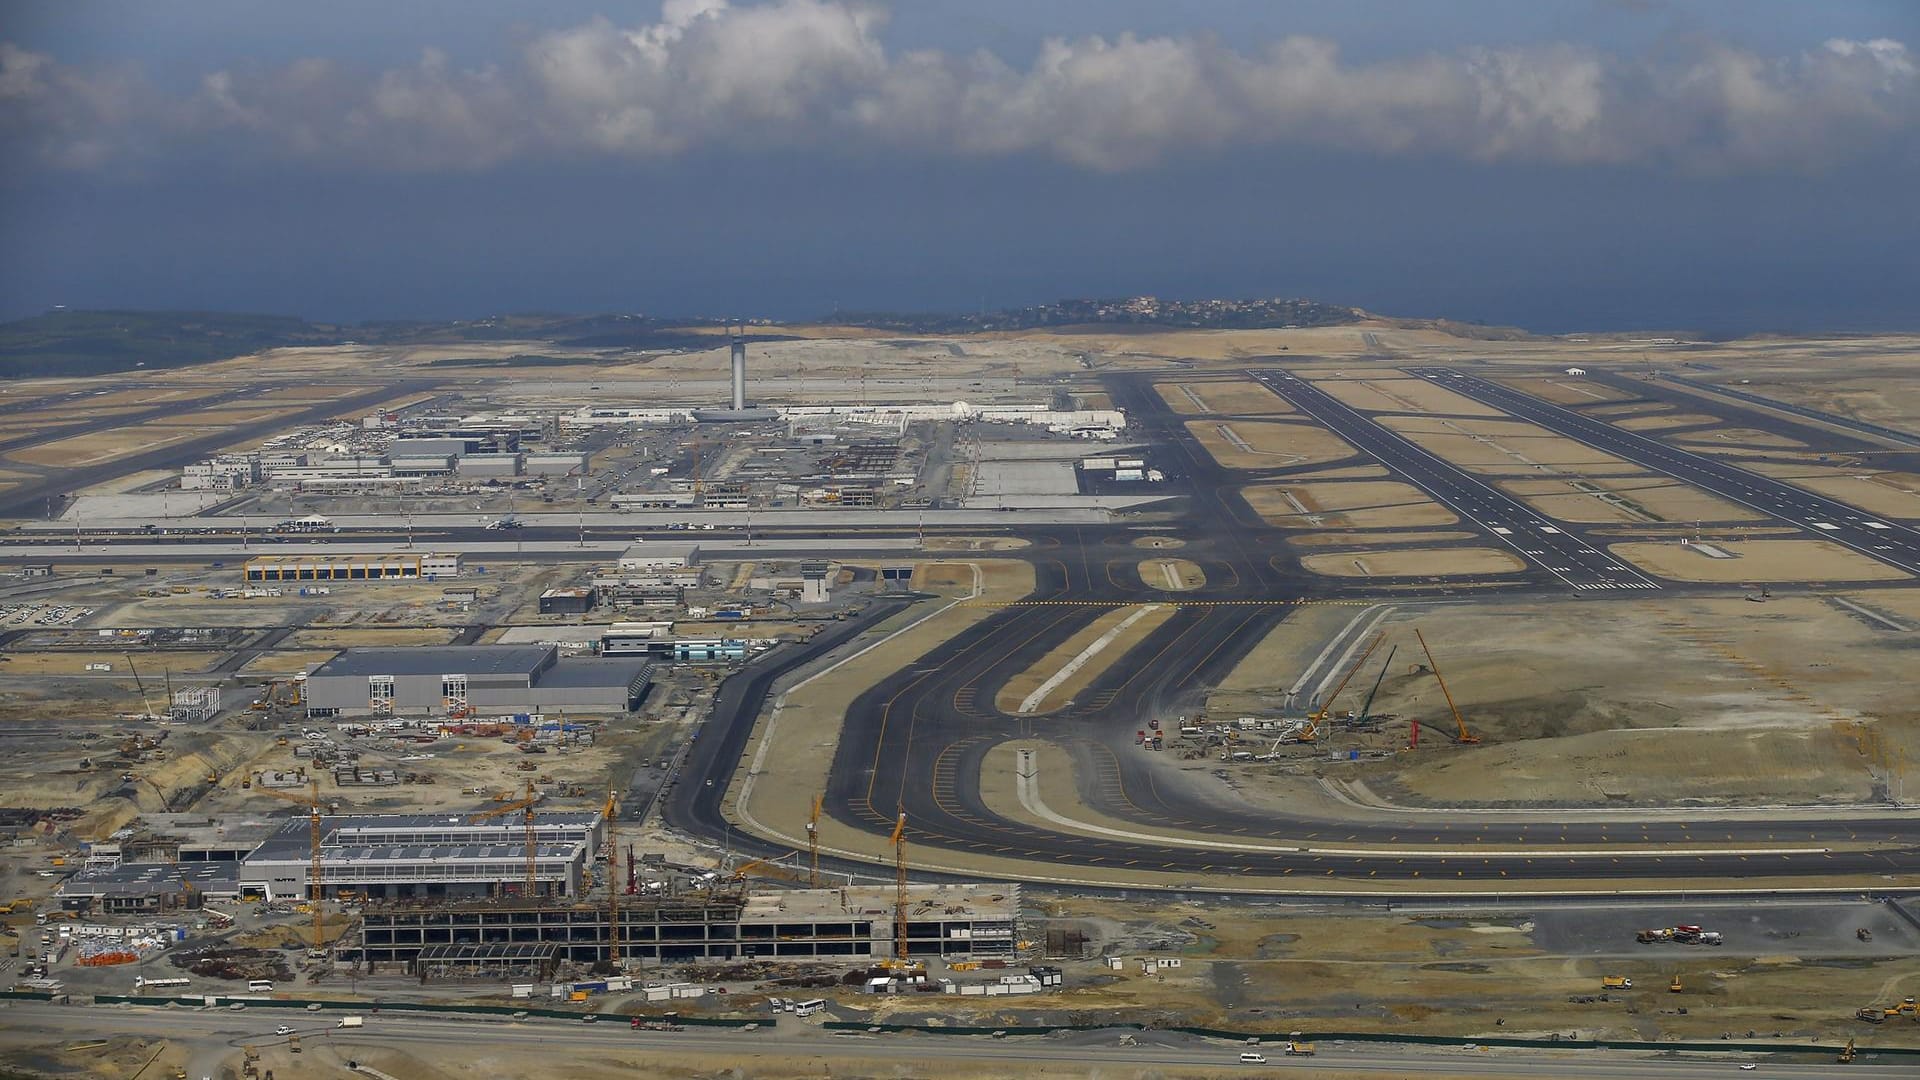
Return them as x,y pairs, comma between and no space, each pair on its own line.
464,680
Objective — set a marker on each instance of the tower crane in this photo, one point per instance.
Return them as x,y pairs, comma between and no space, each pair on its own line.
613,882
813,845
899,842
316,891
527,804
1319,716
1465,737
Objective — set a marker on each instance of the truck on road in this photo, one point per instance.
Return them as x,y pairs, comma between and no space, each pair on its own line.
352,1022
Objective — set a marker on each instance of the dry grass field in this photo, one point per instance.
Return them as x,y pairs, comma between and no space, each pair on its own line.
1345,505
1756,561
1227,397
1414,562
1267,444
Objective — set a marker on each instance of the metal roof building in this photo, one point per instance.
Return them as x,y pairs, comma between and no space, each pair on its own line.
464,680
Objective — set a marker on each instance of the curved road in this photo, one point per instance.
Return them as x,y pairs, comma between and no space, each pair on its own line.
917,741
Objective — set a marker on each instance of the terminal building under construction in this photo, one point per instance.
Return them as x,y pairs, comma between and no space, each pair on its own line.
851,925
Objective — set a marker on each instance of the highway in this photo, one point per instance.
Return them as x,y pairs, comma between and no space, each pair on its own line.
1889,542
1572,560
213,1039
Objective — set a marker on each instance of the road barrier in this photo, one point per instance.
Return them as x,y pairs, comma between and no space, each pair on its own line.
1460,1042
365,1007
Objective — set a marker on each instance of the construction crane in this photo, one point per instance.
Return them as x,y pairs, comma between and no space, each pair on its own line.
527,803
315,890
1465,737
613,888
899,842
1366,707
140,685
1319,716
813,845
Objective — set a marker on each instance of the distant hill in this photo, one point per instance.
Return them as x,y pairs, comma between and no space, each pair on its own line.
66,343
1132,311
96,342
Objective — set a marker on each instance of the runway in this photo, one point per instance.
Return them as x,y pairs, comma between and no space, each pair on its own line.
1889,542
918,740
1506,519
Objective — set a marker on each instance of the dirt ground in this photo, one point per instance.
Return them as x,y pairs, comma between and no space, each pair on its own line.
1757,561
1345,505
1139,621
1894,494
1565,390
1173,575
1405,395
347,638
1767,702
1232,397
1267,444
1412,562
1500,447
1646,498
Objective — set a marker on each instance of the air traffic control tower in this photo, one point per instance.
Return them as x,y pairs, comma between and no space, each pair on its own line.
740,412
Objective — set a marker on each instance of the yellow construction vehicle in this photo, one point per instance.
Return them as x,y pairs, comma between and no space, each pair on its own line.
1846,1053
1674,986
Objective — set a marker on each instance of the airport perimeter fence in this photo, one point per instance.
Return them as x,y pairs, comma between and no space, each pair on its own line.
364,1007
1267,1037
27,995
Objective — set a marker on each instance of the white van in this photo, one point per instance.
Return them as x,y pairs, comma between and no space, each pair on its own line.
259,986
1253,1059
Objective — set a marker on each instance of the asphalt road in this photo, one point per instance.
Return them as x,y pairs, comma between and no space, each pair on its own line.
1885,541
917,741
215,1036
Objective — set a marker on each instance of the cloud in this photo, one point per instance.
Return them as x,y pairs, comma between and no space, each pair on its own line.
707,74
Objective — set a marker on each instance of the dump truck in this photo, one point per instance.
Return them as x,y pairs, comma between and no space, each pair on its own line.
1299,1049
1616,982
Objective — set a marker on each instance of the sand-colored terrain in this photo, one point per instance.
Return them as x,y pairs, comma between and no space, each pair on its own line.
83,450
1737,439
1893,494
1173,575
1133,624
74,662
1638,499
355,637
1374,539
1414,562
1345,505
1756,561
1228,397
1267,444
1408,395
1505,447
1664,421
1565,389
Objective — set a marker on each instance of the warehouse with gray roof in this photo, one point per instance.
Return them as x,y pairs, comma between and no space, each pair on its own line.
473,680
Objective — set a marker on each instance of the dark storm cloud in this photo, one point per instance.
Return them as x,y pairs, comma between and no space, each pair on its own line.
820,75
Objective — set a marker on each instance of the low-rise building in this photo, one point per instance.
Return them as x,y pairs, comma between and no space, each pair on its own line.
383,567
473,679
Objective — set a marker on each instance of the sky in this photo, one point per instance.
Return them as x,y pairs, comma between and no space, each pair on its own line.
1722,166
